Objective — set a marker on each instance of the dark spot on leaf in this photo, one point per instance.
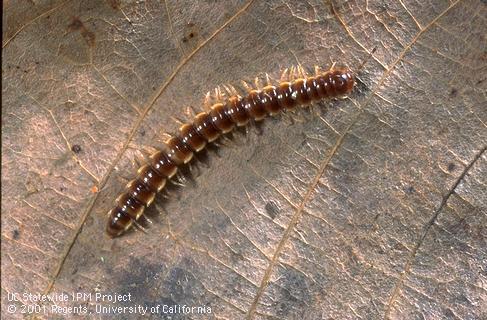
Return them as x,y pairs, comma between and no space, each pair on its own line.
137,278
18,67
76,148
15,234
191,33
451,167
292,294
89,37
115,4
272,209
75,24
409,189
62,189
142,132
453,92
459,227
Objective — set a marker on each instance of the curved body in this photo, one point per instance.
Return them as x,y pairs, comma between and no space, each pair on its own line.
208,126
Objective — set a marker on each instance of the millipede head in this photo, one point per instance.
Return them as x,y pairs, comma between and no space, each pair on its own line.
344,81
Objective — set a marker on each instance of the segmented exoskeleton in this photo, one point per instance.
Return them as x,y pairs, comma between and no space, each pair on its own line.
222,118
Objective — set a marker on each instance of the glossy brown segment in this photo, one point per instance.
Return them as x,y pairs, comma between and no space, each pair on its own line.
204,126
324,86
312,90
268,97
189,135
300,90
137,190
285,96
153,180
236,111
220,118
130,206
254,106
207,127
178,152
163,165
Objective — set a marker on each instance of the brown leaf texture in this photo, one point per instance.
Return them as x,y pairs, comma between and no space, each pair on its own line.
375,208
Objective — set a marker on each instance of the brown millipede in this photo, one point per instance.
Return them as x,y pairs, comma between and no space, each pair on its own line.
221,118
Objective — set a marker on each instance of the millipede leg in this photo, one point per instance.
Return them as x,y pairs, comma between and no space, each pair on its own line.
246,86
314,110
177,120
297,116
181,178
217,149
149,149
164,136
191,169
190,112
141,156
284,75
286,117
207,101
333,66
166,194
230,90
146,219
226,141
302,72
202,160
139,227
122,179
175,182
292,73
220,96
268,81
317,71
258,83
227,89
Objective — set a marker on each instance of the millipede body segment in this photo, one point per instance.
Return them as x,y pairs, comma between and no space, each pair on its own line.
206,127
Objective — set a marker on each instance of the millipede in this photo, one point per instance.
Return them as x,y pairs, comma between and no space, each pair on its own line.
296,88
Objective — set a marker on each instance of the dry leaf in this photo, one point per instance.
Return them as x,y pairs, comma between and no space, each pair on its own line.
374,209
